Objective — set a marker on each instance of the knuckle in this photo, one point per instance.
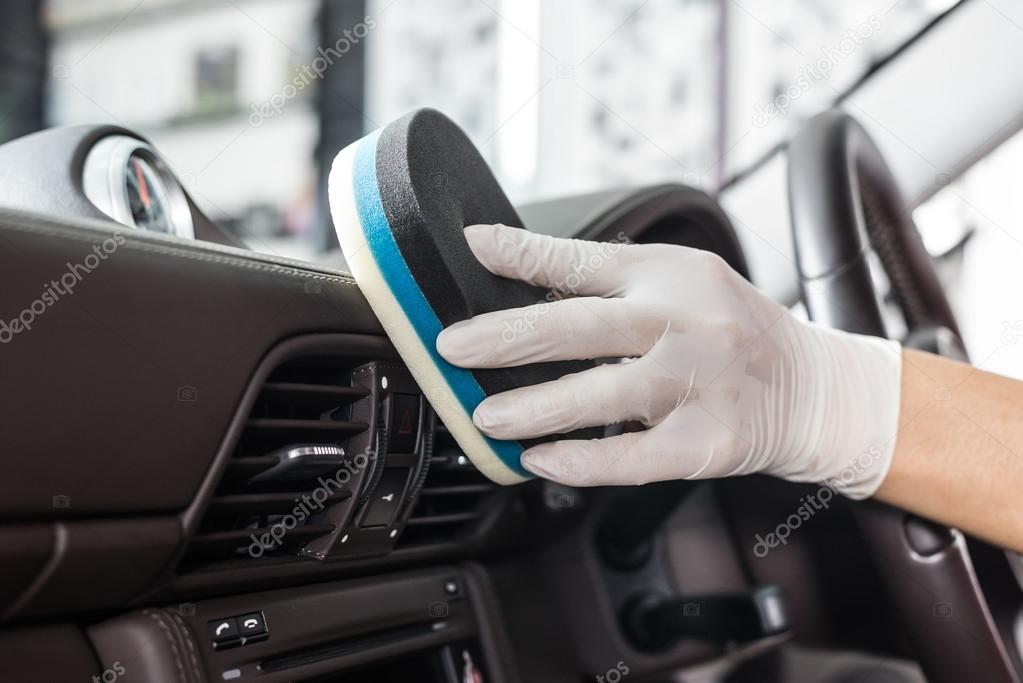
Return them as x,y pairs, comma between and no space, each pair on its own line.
600,393
649,393
574,465
713,265
550,402
732,335
570,319
729,446
622,253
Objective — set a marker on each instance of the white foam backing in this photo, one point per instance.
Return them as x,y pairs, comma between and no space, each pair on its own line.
373,284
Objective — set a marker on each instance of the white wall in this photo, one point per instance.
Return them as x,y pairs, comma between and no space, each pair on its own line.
141,73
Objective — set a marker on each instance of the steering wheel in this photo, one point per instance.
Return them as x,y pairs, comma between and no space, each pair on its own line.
846,209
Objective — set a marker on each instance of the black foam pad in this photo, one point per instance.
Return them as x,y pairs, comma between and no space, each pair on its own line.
433,183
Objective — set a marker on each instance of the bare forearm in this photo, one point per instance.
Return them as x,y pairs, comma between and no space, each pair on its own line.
959,451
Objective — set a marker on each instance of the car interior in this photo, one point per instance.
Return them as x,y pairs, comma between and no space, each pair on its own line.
217,467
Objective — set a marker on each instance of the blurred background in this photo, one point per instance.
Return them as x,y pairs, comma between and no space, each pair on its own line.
249,101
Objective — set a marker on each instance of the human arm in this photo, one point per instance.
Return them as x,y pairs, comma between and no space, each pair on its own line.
727,382
957,457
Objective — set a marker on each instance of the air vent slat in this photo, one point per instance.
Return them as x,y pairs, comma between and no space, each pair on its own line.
453,500
302,389
307,402
245,468
226,542
318,427
450,518
457,490
267,503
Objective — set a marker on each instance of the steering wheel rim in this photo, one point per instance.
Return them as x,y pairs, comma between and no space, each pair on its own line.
845,209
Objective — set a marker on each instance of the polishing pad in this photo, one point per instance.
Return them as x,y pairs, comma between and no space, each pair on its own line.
400,198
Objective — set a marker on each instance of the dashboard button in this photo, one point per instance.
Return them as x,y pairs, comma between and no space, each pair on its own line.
403,430
387,497
252,624
224,630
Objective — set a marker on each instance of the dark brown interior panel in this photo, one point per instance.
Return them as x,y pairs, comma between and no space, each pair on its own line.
117,401
47,654
98,564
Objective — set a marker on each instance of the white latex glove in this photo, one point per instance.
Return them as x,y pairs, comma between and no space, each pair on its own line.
727,381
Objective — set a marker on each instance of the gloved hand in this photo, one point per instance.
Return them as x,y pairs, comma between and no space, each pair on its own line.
727,381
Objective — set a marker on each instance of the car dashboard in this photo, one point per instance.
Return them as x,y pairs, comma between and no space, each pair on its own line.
219,469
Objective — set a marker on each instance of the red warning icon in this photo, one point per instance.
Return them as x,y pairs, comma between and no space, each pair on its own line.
405,427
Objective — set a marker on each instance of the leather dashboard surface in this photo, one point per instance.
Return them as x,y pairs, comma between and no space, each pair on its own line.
118,384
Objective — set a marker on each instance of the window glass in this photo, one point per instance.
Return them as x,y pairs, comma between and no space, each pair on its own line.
984,208
562,97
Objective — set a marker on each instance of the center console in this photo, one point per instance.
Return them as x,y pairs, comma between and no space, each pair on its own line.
425,626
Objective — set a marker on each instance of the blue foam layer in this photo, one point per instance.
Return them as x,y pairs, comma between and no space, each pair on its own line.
410,297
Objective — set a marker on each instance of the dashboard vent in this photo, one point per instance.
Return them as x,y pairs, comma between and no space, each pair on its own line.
303,410
453,500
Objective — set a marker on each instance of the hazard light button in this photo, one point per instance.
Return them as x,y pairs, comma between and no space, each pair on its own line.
403,430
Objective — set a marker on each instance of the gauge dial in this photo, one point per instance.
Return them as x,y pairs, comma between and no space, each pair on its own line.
147,196
125,179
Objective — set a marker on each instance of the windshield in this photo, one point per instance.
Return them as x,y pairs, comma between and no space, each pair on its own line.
249,100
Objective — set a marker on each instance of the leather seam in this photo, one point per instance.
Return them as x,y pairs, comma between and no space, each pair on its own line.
187,637
180,252
239,263
158,618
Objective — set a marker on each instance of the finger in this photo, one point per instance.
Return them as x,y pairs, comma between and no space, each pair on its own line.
565,265
606,394
613,460
704,450
569,329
